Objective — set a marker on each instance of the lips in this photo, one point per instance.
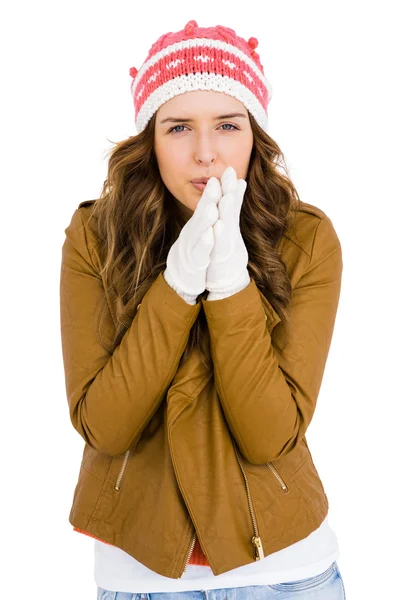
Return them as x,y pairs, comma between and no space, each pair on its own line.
199,185
201,180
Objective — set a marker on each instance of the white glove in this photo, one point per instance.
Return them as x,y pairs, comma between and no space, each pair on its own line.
227,272
189,255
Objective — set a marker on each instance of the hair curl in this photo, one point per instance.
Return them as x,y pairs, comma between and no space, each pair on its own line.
136,220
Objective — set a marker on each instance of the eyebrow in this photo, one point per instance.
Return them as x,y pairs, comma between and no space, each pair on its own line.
230,116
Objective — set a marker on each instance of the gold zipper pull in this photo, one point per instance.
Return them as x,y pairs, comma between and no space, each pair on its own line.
256,541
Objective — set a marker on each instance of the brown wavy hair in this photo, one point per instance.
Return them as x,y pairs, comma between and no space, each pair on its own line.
136,220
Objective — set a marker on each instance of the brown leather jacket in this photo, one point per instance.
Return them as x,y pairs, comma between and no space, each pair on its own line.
174,451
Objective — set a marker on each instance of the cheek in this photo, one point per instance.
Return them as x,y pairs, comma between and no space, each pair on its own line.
172,173
240,146
172,159
242,155
177,154
239,160
176,165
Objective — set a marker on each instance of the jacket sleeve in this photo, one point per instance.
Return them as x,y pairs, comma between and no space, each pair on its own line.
268,383
112,397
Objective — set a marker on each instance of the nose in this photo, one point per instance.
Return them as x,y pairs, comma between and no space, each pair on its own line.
205,161
204,153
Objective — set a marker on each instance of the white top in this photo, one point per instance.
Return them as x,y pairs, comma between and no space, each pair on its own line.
117,571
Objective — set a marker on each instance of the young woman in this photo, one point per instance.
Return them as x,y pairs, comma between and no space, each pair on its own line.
196,321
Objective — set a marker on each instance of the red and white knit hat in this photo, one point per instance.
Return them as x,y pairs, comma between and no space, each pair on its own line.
201,58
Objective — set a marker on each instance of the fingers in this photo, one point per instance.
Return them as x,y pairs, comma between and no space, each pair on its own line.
211,193
216,249
202,249
217,210
240,190
228,180
233,190
226,207
202,238
218,228
228,186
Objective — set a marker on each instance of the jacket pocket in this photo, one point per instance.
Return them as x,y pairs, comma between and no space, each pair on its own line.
122,470
278,477
284,469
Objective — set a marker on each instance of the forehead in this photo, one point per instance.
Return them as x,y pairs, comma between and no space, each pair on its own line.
200,104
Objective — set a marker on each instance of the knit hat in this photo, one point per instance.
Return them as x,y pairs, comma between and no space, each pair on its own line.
200,58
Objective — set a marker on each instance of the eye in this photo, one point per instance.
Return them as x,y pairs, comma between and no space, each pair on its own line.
230,125
173,129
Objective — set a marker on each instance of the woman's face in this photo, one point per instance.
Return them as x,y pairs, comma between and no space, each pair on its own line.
203,143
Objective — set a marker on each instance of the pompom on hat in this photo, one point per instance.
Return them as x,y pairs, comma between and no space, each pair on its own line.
200,58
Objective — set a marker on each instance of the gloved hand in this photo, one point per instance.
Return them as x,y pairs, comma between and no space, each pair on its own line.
227,272
189,255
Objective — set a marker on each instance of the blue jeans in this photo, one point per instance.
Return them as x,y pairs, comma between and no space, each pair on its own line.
325,586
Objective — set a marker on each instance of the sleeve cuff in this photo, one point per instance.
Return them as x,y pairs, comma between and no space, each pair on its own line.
189,298
173,300
239,301
225,293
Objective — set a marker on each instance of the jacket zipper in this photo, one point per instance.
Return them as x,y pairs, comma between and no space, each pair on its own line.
256,539
279,478
117,485
190,553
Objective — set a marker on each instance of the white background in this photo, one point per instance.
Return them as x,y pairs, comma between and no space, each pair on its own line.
65,98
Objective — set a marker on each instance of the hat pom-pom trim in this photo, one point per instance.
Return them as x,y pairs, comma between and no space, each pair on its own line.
190,27
253,43
133,72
